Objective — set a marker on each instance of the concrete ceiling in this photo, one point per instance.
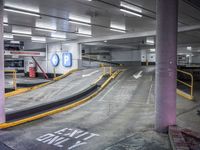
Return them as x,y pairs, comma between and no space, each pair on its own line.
102,12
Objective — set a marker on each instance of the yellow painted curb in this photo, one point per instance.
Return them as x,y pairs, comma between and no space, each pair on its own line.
23,90
183,94
55,111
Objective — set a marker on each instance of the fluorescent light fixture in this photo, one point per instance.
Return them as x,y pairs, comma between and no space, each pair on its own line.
80,23
5,24
58,39
22,35
131,7
151,42
130,12
152,50
45,30
46,25
7,36
5,19
189,48
85,35
21,30
118,30
38,39
58,35
21,12
38,42
80,19
15,42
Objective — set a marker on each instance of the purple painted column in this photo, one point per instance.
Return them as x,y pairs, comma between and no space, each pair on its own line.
166,53
2,89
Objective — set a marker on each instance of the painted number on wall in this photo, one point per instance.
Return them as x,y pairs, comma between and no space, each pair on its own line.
67,59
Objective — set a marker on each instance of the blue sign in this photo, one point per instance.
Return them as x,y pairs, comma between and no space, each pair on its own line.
67,59
55,60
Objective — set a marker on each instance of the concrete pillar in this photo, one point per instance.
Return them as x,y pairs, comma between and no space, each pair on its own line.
166,53
2,88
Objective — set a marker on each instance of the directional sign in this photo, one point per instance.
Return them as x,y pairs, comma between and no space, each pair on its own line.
55,60
67,59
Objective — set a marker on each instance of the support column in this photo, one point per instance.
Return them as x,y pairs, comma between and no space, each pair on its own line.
2,88
166,53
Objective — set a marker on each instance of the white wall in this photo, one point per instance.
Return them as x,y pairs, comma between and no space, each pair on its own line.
125,55
148,56
53,48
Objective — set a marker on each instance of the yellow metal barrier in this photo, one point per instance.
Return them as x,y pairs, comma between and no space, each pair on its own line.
14,77
189,96
107,70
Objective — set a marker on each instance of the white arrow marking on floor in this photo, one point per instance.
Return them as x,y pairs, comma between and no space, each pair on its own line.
90,74
138,75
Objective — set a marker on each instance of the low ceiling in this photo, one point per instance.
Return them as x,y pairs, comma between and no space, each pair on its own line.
102,12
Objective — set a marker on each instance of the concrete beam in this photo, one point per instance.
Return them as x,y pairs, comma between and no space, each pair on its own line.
136,34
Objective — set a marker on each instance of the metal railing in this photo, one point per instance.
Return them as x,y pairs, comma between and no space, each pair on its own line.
190,85
14,77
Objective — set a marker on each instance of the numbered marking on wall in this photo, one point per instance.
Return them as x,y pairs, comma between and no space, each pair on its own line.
67,138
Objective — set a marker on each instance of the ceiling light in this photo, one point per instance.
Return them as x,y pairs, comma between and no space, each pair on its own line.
189,48
22,35
5,24
130,12
38,39
152,50
85,35
80,23
45,30
58,35
21,30
8,36
131,7
83,20
15,42
21,12
118,30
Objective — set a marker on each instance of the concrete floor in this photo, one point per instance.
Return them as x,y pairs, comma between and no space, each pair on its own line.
63,88
119,118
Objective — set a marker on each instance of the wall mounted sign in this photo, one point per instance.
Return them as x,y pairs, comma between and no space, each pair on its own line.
67,59
55,60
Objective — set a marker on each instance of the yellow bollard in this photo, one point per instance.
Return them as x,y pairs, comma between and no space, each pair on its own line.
54,72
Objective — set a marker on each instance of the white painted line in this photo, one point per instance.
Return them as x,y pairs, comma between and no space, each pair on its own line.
149,95
90,74
109,91
138,75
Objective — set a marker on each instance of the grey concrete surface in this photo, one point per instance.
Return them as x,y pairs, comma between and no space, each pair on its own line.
22,80
63,88
121,117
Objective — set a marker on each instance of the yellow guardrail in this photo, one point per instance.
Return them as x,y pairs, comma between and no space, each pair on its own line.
14,77
190,95
23,90
64,108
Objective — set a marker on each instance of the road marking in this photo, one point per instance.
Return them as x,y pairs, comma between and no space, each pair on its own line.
67,137
149,95
90,74
138,75
109,91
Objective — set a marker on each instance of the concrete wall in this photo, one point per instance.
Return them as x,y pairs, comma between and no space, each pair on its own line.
148,56
125,56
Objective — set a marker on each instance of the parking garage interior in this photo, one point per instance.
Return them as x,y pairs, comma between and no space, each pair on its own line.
99,75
